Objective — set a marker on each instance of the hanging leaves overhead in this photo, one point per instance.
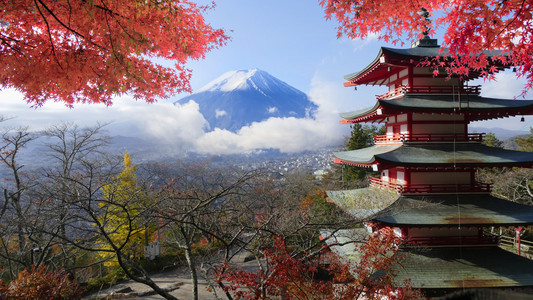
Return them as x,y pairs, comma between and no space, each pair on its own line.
471,26
93,50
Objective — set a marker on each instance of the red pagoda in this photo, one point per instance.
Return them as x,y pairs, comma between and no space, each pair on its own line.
429,159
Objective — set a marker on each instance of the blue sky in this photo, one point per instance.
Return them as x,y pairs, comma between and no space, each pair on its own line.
292,41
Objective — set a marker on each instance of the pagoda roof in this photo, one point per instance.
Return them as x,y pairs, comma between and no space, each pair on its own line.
469,104
448,267
434,155
393,56
387,207
466,267
472,210
363,203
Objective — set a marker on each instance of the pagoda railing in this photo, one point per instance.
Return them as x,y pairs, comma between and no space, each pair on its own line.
431,188
443,90
424,138
378,182
451,240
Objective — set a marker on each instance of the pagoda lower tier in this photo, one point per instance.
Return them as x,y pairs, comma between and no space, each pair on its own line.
445,239
390,209
439,271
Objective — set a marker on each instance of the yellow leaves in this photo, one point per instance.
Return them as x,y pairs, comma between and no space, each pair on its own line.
121,216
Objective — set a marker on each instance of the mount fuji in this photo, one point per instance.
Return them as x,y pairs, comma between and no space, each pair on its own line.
239,98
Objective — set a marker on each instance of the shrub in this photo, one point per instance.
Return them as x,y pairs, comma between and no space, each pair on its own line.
39,283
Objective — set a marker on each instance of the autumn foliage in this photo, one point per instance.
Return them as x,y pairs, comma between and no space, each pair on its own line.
39,283
282,273
90,51
471,27
122,220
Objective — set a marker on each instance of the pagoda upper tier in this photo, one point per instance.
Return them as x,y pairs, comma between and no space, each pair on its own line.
451,155
416,86
471,107
401,67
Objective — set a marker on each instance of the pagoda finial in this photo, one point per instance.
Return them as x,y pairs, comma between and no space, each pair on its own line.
426,41
424,13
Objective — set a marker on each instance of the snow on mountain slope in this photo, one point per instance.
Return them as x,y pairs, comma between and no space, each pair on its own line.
239,98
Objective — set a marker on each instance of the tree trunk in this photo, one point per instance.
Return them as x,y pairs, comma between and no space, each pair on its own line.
191,264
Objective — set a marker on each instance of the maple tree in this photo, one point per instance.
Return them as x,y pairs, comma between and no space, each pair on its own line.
293,263
40,283
513,184
472,26
196,206
296,275
90,51
15,201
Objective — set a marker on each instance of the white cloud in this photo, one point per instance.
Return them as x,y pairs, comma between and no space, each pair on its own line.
174,124
181,128
360,44
272,109
220,113
506,86
286,134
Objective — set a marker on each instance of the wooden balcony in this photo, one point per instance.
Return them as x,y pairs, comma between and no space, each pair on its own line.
432,90
483,240
377,182
476,188
429,138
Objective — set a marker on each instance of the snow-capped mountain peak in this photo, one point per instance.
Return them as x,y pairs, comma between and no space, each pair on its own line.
246,80
239,98
229,81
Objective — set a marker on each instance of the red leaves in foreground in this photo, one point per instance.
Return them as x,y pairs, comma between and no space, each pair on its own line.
91,51
282,274
40,284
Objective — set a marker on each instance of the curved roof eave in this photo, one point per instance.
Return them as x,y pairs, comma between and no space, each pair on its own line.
360,113
433,155
364,156
364,202
422,52
463,267
375,61
415,53
440,102
467,102
467,210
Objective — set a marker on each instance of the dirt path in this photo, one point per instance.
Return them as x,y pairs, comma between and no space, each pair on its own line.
177,281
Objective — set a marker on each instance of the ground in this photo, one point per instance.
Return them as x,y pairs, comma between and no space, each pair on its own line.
177,281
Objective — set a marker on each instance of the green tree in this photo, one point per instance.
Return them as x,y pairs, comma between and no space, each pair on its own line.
492,141
514,184
361,136
525,143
